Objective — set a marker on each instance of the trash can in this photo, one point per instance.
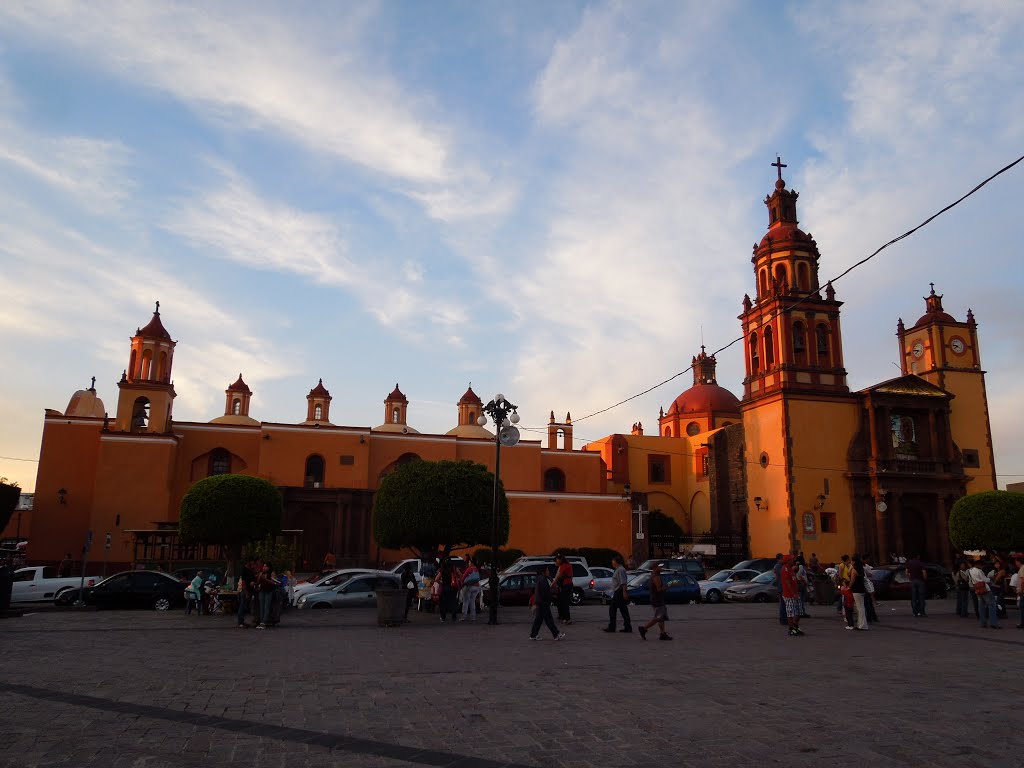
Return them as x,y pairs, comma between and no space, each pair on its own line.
390,606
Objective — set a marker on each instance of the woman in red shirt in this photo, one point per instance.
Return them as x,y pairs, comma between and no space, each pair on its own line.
563,585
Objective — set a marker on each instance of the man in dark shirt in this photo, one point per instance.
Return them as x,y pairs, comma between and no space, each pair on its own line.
246,584
542,602
918,585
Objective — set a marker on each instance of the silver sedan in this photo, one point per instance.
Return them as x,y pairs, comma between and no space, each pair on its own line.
359,591
328,581
712,590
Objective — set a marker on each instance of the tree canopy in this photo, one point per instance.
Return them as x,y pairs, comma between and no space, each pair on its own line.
231,510
988,520
432,506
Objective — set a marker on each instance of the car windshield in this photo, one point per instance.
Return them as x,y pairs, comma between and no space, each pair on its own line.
639,580
721,576
768,577
649,564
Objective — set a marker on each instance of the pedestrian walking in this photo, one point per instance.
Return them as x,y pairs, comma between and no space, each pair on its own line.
962,582
777,570
846,597
1000,575
266,587
1019,587
542,602
859,590
563,588
620,597
802,580
246,589
409,584
471,589
658,605
987,614
842,578
64,569
790,595
449,591
918,585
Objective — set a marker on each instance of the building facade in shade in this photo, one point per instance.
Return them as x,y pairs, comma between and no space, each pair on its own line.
801,463
126,475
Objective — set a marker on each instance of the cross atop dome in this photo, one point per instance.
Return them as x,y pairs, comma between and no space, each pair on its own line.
779,165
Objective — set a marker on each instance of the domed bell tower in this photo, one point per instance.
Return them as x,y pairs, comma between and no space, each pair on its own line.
146,390
793,338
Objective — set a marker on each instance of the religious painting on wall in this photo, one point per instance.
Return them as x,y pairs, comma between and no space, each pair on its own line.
904,438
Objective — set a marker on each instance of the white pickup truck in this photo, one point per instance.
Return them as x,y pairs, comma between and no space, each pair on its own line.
39,583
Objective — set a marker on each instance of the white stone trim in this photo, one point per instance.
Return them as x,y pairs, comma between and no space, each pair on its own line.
139,438
567,496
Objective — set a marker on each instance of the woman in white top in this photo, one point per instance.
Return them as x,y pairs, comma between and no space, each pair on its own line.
981,584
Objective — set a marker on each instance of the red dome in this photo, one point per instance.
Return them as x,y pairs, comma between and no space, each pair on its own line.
704,398
784,233
931,317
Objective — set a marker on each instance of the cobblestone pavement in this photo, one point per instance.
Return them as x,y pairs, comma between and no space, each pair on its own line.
162,690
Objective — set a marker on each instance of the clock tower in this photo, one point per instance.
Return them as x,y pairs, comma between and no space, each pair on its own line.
944,352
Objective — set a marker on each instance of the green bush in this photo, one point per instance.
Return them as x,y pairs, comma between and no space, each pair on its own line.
596,556
280,555
988,520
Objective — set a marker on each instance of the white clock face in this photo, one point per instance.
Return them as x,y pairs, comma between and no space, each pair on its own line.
957,345
918,349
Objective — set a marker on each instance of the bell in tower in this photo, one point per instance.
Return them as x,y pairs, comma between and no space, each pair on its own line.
146,391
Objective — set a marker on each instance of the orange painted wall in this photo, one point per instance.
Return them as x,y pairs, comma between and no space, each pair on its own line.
764,431
68,458
969,422
538,525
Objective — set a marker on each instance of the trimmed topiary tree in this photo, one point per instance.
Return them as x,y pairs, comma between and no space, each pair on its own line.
988,520
432,506
230,510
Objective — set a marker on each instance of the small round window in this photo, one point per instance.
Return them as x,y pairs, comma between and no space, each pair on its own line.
692,428
764,460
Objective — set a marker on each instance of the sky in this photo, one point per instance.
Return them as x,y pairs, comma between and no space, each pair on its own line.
555,201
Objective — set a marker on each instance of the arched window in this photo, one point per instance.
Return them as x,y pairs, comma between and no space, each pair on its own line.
803,277
764,282
147,364
220,462
781,275
236,407
472,417
318,412
554,480
822,338
395,415
799,343
755,360
314,472
161,369
140,415
769,347
131,365
668,431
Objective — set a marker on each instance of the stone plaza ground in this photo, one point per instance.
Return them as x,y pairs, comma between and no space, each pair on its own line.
330,688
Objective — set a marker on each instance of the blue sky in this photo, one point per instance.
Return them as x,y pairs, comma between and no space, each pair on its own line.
551,200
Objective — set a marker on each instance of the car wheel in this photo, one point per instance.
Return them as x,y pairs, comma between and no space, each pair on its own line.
761,599
162,604
64,597
577,596
714,596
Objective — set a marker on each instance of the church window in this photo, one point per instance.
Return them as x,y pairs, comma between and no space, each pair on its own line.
799,343
314,477
318,412
131,365
693,428
554,480
147,364
822,339
658,468
803,278
755,360
904,435
668,431
780,275
236,407
828,522
395,415
220,462
769,348
140,415
161,369
472,418
764,282
972,459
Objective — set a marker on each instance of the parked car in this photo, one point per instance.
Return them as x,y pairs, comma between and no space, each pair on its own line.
581,575
40,583
759,564
514,589
892,583
600,582
357,592
419,565
760,589
132,589
686,565
679,588
550,558
331,580
712,590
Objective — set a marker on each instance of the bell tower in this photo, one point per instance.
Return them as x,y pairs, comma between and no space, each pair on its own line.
318,405
944,351
793,338
146,390
395,407
237,397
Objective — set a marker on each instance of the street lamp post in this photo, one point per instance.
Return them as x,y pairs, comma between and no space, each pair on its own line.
504,415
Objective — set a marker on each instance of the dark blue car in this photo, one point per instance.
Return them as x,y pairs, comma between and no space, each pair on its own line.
679,588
